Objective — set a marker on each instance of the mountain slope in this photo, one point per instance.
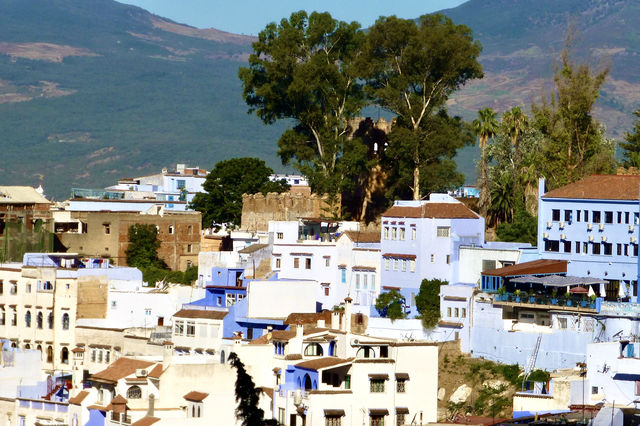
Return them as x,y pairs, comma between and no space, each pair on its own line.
94,91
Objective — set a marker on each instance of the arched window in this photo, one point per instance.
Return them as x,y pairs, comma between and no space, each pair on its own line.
134,392
365,352
64,355
39,320
49,354
222,358
65,321
27,319
27,346
314,349
332,348
50,320
307,382
14,345
39,347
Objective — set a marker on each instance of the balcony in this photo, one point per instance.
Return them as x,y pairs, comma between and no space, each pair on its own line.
573,303
120,419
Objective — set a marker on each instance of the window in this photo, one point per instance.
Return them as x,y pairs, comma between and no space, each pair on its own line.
347,381
562,323
364,281
64,355
134,392
27,319
551,245
596,217
619,249
178,329
606,248
376,385
594,390
65,321
595,248
277,263
413,233
412,265
626,218
39,320
566,246
443,231
14,317
394,233
401,419
313,349
28,287
619,217
14,287
189,248
449,311
281,416
93,355
280,235
191,328
49,354
296,262
464,313
195,410
395,264
307,263
577,247
386,264
555,215
100,355
448,259
326,291
327,261
376,420
401,233
578,214
488,265
190,229
343,272
401,385
332,420
404,265
386,233
171,229
357,281
1,287
608,217
107,356
433,258
50,320
457,312
2,315
107,228
635,250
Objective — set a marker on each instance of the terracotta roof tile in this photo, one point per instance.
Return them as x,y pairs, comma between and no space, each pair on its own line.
308,318
77,400
120,369
146,421
363,236
600,187
267,391
399,256
200,313
196,396
321,363
274,335
540,266
156,372
433,210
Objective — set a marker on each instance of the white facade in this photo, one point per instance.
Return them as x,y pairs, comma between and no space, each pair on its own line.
475,259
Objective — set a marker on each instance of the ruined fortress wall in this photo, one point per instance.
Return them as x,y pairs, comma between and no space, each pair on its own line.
258,209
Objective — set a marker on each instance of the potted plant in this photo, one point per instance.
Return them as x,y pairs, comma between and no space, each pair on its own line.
593,299
501,293
569,299
532,297
518,292
554,296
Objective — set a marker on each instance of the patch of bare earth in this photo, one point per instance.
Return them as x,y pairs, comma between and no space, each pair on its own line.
207,34
42,51
10,93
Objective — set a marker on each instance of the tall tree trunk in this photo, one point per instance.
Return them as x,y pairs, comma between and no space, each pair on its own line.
416,183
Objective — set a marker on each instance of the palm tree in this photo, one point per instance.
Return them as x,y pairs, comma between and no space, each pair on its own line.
485,128
514,122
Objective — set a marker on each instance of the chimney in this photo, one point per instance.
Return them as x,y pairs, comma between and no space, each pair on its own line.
347,314
335,320
152,405
299,331
167,354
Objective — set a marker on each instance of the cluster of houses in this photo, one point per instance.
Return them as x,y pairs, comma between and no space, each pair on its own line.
86,342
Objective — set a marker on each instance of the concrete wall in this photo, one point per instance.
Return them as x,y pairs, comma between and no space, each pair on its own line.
258,209
285,297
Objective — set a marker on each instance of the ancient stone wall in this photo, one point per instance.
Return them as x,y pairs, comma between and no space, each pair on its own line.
258,209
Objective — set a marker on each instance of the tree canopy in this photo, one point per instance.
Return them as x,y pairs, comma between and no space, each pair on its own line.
247,397
631,146
411,67
142,251
390,304
302,69
428,302
225,184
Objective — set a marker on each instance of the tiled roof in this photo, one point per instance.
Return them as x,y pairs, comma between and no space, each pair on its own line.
120,369
322,363
196,396
267,391
399,256
433,210
146,421
274,335
540,266
200,313
156,372
77,349
600,187
309,318
363,236
252,248
118,404
77,400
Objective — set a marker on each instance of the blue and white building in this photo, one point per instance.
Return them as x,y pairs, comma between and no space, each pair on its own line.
593,224
422,239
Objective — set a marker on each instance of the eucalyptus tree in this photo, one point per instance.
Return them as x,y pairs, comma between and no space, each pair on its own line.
411,67
302,69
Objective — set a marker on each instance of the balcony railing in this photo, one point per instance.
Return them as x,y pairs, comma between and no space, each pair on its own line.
545,300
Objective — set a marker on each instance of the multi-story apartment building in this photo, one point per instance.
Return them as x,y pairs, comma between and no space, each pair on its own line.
593,224
422,239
